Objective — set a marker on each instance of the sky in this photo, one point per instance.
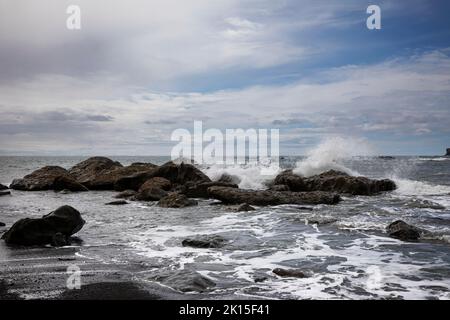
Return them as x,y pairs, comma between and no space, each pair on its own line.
137,70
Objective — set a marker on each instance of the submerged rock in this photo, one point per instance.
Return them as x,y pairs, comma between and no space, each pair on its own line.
268,197
245,207
185,281
116,203
289,273
2,224
334,181
41,179
403,231
204,241
176,200
52,228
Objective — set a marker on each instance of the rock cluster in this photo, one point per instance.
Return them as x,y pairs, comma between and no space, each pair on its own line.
174,185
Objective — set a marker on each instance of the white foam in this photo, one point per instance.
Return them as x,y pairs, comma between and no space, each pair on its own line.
418,188
250,176
330,154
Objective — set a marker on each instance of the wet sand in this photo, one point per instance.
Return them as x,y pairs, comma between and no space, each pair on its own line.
41,273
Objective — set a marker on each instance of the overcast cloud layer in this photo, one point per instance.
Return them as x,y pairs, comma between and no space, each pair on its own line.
139,69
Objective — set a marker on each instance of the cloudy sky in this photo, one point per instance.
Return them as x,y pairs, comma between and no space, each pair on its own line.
139,69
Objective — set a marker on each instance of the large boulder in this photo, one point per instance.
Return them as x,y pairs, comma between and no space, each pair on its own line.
153,189
100,173
89,169
292,181
181,173
2,187
267,197
177,174
133,181
176,200
53,228
67,183
334,181
107,180
403,231
41,179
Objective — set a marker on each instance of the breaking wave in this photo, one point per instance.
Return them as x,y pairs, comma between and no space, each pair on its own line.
330,154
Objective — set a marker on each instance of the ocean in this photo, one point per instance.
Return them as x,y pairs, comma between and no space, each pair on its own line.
344,248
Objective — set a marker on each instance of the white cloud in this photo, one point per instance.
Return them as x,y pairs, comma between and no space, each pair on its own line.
409,96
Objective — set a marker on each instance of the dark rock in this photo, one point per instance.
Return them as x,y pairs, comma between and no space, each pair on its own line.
156,182
151,194
204,241
59,240
2,224
100,173
125,194
320,221
245,207
386,157
116,203
292,181
260,278
289,273
153,189
200,190
39,231
184,281
334,181
267,197
67,183
176,174
228,178
448,152
403,231
41,179
279,187
107,180
176,200
5,193
89,169
181,174
134,181
2,187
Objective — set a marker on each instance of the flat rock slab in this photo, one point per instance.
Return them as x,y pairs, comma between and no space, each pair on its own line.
269,197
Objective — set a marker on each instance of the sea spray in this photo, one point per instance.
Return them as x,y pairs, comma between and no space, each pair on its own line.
330,154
